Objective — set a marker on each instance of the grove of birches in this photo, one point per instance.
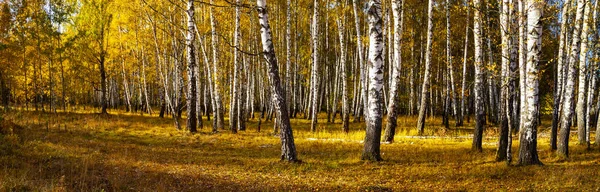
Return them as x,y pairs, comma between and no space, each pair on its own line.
213,65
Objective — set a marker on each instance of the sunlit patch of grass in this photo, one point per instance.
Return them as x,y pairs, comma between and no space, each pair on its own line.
122,151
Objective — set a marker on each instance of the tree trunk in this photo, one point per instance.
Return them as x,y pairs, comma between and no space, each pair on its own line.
522,58
479,79
233,107
191,70
528,146
464,68
371,150
396,64
361,63
425,89
505,32
220,119
558,91
581,93
344,73
314,83
568,103
104,100
288,148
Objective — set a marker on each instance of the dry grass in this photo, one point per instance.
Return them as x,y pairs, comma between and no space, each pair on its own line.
128,152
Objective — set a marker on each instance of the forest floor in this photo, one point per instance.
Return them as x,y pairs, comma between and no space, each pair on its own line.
81,151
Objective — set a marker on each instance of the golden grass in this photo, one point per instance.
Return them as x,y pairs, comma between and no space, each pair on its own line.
128,152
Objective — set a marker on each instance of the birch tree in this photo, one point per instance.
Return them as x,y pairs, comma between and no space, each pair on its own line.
371,151
219,118
560,66
505,32
479,78
425,88
233,114
464,68
288,148
398,13
582,85
568,103
344,73
451,86
361,59
314,83
528,154
191,69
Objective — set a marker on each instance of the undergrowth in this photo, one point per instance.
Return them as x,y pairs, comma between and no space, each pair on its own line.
80,151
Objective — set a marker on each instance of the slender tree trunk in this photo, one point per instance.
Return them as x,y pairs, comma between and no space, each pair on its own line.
581,93
425,89
464,68
505,32
104,100
314,83
345,105
233,107
512,76
559,73
191,70
288,148
220,119
568,103
522,58
288,56
479,79
452,87
361,62
396,64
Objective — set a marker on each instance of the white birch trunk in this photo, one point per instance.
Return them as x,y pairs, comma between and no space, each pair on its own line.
582,85
569,89
216,77
396,65
361,60
233,107
314,83
371,150
522,58
558,92
191,70
464,69
288,148
528,154
344,73
479,78
425,89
